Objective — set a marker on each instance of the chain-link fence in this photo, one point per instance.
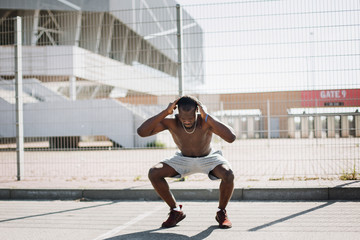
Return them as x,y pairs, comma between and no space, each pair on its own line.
283,74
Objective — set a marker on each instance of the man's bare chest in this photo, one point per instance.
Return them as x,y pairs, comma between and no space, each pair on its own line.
197,138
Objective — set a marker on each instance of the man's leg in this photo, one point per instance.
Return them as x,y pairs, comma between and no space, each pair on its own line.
157,176
227,184
226,190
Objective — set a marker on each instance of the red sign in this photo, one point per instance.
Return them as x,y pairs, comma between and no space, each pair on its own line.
336,97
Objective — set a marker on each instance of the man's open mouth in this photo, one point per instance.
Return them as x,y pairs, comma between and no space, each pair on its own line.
188,126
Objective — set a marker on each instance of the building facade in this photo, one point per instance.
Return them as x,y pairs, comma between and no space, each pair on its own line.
138,36
327,113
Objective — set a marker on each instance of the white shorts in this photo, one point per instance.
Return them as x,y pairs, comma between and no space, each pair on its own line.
189,165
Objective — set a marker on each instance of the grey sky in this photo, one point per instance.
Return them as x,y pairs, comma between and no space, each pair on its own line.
253,46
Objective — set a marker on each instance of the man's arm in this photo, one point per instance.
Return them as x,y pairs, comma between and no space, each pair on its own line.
156,124
217,127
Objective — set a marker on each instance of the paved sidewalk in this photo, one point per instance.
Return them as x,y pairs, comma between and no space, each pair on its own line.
271,220
192,189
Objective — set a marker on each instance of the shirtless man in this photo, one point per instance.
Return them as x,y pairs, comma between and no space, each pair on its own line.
192,134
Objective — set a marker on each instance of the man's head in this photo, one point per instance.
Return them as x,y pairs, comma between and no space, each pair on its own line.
187,103
187,106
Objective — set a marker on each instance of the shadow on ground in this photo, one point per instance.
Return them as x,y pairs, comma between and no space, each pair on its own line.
152,234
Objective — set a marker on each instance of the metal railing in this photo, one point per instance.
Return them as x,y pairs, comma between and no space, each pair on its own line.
283,75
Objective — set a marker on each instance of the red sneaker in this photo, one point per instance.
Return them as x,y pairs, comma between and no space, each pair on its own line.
174,218
222,219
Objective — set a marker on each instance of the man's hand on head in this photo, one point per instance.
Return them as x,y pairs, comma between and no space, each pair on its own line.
172,106
202,109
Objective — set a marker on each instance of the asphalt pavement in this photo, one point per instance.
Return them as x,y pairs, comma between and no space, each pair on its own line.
142,220
55,209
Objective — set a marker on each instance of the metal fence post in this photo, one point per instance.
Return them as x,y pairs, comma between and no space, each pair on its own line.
19,100
180,48
268,118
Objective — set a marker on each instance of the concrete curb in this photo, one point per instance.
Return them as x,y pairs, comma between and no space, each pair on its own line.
321,193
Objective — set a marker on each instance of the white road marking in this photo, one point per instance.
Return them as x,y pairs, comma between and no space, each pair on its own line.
125,225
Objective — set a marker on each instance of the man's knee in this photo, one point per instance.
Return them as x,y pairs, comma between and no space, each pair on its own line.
228,176
157,171
153,173
224,173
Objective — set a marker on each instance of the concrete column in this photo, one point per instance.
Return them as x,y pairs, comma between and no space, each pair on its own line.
109,37
357,126
34,36
78,29
72,88
250,127
98,32
304,127
331,126
344,126
291,127
318,127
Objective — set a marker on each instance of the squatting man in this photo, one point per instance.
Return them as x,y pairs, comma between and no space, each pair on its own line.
192,129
